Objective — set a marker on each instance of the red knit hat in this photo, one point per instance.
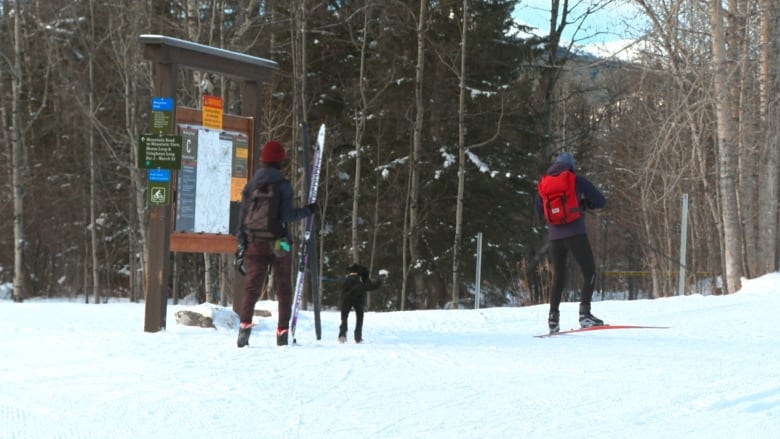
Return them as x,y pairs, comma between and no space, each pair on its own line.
273,152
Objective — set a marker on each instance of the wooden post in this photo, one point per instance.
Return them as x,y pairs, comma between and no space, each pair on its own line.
158,266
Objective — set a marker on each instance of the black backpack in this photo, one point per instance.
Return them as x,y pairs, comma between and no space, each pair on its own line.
261,220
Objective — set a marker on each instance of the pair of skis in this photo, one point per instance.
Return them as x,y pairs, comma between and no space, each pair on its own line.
598,328
303,255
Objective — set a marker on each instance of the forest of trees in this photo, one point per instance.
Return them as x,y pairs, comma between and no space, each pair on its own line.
441,117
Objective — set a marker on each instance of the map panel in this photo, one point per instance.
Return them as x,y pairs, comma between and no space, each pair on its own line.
209,179
212,208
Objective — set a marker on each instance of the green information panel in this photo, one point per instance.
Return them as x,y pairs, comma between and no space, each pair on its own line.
161,121
158,188
159,152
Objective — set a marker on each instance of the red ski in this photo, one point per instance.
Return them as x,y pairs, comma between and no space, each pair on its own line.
600,328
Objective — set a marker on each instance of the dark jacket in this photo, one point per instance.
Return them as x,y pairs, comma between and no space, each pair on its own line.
589,196
355,286
287,212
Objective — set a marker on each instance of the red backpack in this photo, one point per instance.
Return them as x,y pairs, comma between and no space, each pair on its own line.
559,198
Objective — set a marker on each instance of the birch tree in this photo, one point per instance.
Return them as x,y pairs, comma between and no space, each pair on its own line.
93,163
411,233
133,75
727,153
461,159
20,169
770,112
360,127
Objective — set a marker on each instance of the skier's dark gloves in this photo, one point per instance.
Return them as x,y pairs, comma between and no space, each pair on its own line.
239,261
313,208
586,204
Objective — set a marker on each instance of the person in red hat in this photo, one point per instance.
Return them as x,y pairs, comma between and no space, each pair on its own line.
259,251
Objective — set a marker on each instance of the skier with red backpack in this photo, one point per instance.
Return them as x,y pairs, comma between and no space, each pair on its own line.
562,196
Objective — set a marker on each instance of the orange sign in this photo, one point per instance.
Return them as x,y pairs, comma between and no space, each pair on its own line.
212,112
240,174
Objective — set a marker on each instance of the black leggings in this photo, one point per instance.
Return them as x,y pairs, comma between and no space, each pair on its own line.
355,300
579,246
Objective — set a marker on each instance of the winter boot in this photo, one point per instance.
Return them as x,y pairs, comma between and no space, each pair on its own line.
552,322
587,319
343,333
281,336
243,334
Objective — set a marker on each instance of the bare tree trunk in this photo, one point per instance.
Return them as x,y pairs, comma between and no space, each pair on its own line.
175,277
746,136
360,127
193,34
414,169
461,161
559,19
375,234
225,278
132,59
85,274
207,278
300,35
5,135
727,160
747,167
770,112
405,246
18,150
132,71
92,158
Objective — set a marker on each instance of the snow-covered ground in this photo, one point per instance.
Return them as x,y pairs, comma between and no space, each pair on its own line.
70,370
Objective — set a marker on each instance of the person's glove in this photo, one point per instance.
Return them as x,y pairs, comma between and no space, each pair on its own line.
586,204
383,276
281,247
239,261
313,208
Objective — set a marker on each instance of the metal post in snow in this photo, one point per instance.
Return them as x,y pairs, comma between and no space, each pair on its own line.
683,238
479,271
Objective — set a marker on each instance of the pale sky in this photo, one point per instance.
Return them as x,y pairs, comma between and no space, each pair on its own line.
605,32
610,23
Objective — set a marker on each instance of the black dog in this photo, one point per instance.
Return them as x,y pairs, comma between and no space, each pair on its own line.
353,295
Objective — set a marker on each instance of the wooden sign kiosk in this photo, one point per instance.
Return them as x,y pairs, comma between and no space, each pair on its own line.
168,54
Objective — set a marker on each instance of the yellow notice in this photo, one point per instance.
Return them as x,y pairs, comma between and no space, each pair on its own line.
236,186
212,112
